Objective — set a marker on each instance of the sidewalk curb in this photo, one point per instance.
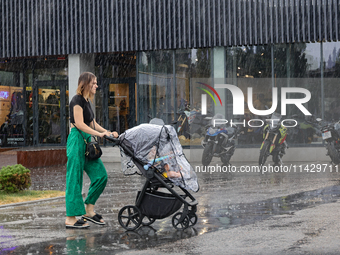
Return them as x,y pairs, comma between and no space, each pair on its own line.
30,202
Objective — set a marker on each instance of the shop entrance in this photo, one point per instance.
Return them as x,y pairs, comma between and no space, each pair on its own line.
49,103
119,103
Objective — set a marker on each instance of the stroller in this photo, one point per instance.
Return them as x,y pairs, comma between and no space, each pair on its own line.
154,152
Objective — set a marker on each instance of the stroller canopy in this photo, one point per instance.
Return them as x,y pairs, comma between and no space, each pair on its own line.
157,146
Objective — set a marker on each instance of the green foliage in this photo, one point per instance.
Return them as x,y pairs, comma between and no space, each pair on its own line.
14,178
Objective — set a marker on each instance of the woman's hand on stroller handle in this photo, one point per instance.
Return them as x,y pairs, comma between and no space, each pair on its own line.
111,138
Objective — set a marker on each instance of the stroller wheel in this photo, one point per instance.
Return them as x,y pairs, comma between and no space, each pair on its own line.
130,217
178,223
147,221
192,219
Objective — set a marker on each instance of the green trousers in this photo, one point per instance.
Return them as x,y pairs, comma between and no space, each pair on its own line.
76,164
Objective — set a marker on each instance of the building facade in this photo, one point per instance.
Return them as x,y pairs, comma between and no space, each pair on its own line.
157,58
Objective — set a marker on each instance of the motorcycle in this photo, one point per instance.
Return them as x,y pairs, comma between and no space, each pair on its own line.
191,123
304,131
274,134
219,141
185,119
330,134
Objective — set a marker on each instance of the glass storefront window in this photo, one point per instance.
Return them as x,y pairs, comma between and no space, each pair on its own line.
331,60
118,106
50,82
12,104
167,82
251,67
298,65
192,69
34,101
277,66
155,86
116,102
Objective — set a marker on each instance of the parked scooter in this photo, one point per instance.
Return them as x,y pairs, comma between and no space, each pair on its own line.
331,136
274,136
219,141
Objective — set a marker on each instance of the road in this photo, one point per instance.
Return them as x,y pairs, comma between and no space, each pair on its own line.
238,213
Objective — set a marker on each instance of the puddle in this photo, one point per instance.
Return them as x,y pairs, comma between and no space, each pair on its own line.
248,213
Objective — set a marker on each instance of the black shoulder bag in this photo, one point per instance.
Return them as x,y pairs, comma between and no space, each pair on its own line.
93,150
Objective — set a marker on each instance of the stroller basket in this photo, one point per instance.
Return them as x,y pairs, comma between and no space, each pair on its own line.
159,205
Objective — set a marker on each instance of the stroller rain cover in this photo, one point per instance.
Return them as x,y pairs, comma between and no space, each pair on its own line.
157,146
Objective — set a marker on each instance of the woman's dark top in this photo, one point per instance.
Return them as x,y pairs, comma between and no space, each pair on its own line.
87,110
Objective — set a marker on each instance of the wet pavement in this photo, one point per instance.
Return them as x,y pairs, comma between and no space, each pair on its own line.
230,205
8,158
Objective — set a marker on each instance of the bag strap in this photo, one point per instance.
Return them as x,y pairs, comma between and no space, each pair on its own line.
74,124
94,127
80,133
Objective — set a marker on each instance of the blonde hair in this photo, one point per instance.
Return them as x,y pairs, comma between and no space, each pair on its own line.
84,88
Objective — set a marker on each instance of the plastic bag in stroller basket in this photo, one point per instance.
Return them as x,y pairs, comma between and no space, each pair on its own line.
159,205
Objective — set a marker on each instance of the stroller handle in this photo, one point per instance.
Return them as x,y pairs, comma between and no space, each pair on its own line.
112,139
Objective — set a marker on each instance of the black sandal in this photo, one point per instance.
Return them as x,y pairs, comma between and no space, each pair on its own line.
95,219
79,224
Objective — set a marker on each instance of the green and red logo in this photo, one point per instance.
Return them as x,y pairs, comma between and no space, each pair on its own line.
204,97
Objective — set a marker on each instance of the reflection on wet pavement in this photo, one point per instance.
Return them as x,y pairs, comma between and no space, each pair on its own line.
225,201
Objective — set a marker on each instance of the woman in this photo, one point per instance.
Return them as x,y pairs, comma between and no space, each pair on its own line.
82,120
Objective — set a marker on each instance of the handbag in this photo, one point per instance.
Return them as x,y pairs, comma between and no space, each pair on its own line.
93,150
